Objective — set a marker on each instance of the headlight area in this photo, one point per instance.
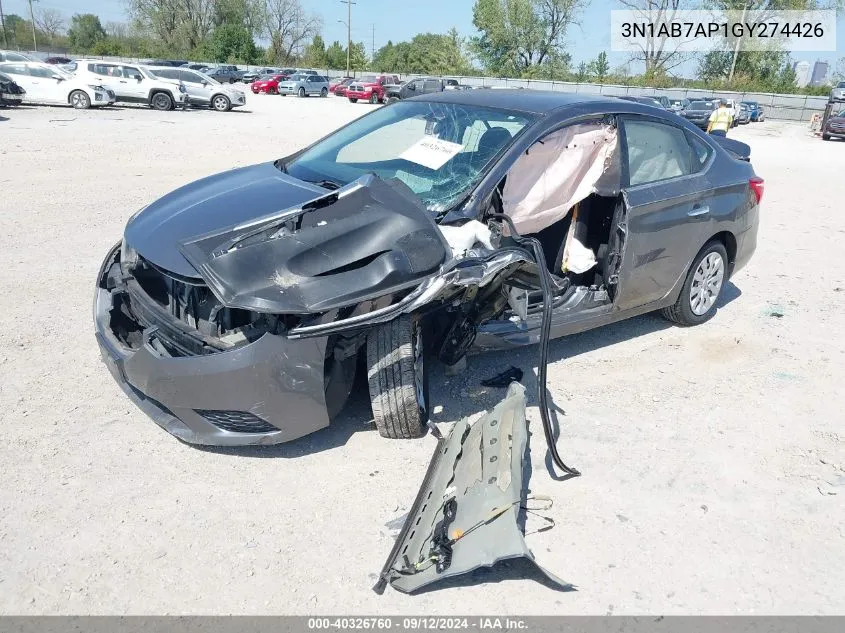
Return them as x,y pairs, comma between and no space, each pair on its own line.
177,317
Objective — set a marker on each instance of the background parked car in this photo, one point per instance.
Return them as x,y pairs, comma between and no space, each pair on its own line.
225,74
132,83
267,84
755,112
304,85
14,56
203,90
743,114
338,87
251,75
58,60
414,87
370,88
454,84
838,93
663,100
835,126
11,93
698,112
650,101
676,105
49,84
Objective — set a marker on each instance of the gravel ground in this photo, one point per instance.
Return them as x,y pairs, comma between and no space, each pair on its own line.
713,457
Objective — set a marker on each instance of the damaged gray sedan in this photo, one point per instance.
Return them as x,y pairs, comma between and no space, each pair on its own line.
236,309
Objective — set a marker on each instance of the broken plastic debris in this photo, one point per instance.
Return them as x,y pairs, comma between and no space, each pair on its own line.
464,237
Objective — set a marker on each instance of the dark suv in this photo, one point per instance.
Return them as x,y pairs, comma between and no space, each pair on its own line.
226,74
414,87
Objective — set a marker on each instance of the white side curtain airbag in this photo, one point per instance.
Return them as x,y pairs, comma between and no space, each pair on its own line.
556,172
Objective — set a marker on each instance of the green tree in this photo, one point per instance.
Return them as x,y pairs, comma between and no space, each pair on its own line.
85,31
357,56
231,43
315,54
336,56
583,73
517,35
600,67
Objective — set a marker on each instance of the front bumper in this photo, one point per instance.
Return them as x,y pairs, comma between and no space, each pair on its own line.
288,90
835,131
359,94
269,391
8,97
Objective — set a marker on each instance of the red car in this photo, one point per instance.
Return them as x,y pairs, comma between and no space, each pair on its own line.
370,88
268,84
338,88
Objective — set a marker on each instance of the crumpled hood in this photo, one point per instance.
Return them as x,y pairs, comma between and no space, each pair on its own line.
209,204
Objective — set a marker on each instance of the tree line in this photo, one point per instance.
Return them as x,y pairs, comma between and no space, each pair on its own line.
514,38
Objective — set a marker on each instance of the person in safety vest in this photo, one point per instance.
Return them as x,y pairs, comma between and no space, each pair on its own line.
720,120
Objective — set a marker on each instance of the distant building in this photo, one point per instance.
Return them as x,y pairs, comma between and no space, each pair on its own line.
819,73
802,73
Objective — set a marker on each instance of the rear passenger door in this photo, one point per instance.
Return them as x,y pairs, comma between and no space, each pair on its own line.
199,90
667,198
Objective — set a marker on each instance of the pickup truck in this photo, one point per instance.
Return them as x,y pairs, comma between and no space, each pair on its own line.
370,88
226,74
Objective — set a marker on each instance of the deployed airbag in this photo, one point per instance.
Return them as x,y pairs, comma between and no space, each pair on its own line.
558,171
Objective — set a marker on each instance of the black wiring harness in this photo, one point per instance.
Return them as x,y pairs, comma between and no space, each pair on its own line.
545,330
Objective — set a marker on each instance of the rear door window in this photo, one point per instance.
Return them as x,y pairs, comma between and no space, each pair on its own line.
656,151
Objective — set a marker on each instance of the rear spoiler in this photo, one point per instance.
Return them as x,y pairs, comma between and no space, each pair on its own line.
737,149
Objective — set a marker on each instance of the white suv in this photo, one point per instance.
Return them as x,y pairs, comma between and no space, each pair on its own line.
202,89
45,83
132,83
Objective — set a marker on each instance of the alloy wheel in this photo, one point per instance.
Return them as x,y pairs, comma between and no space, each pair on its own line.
707,283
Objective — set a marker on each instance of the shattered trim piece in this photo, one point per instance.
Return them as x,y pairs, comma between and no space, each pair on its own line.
466,513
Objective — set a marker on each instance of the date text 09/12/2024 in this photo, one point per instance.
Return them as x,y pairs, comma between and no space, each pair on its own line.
419,623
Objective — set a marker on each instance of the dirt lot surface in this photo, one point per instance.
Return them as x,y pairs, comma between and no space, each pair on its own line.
713,457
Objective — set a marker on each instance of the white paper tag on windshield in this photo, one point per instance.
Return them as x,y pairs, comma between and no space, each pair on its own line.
431,152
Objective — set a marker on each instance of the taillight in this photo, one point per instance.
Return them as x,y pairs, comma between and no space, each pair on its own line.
757,185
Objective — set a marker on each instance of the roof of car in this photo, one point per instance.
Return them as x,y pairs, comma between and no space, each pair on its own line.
536,101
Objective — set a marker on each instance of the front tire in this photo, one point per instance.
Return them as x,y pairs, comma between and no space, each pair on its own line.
353,100
825,137
397,377
702,288
162,101
79,99
374,98
221,103
324,92
301,92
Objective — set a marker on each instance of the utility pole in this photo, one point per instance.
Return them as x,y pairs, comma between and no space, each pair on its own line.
736,48
348,4
32,19
373,49
3,25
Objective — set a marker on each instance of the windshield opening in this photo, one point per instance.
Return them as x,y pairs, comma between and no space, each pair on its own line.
439,150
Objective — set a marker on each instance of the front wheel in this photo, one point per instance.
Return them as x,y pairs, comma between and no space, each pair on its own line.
162,101
80,100
825,137
353,100
397,377
702,288
324,92
221,103
374,98
302,92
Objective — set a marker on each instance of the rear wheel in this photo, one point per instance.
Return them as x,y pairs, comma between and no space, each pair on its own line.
397,378
80,100
702,288
162,101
